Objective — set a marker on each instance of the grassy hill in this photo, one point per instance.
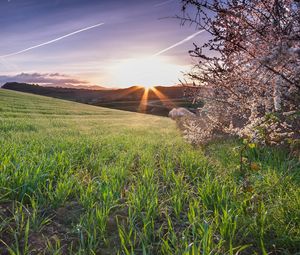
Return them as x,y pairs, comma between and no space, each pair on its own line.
78,179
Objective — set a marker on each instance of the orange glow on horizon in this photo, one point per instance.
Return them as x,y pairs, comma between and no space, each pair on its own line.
130,90
145,98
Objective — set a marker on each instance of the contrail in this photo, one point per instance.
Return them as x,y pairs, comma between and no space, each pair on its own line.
52,41
179,43
164,3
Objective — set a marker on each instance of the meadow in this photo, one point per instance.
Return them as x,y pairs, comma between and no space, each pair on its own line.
80,179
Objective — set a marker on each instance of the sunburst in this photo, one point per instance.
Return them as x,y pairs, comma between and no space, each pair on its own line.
144,101
163,99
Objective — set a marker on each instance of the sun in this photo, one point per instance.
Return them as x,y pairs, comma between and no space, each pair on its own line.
146,72
148,87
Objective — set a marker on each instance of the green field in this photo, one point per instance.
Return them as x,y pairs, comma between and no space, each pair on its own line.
78,179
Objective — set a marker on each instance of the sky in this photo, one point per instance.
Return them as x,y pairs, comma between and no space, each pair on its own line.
115,43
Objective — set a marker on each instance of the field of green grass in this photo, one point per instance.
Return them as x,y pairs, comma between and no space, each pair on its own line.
78,179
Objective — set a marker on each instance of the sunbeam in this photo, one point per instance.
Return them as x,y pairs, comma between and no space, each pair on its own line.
130,91
164,99
144,101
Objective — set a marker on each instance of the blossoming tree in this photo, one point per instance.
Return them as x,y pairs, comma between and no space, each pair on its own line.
248,72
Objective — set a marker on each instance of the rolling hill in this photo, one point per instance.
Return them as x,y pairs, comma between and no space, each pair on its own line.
124,99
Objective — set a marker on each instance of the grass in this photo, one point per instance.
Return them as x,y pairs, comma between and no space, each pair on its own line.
78,179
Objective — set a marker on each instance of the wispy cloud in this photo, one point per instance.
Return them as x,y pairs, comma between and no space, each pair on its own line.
49,79
52,41
178,43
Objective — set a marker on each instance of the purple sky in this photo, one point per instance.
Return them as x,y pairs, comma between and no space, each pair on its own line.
118,53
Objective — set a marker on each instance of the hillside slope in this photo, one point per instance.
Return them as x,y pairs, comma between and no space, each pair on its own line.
128,99
79,179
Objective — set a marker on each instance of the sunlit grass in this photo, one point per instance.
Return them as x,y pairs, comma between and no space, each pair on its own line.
78,179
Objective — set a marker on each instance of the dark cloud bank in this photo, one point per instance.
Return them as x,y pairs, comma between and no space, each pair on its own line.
47,79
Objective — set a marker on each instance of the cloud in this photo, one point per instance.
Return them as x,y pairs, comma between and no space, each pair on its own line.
48,79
